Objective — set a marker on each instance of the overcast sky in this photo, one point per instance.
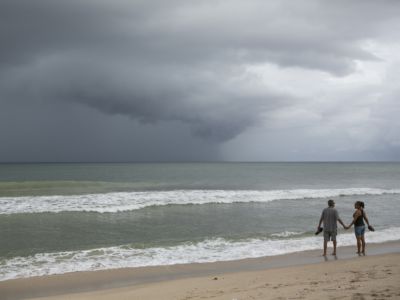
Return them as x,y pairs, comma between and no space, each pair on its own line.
204,80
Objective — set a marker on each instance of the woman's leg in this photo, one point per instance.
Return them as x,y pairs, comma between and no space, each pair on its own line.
358,244
363,244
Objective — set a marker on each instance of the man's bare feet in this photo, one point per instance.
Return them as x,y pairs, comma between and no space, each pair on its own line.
324,254
333,253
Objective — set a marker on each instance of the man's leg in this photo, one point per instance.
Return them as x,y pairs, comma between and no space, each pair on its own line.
327,238
334,247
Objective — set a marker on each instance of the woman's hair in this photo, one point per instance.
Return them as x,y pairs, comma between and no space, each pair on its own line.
360,204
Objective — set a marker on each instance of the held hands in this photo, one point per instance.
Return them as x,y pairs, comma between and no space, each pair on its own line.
348,226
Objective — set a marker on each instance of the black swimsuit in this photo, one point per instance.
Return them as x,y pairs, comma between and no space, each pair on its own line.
360,220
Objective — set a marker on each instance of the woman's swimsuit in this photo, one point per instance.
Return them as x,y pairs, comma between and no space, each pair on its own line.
359,226
360,219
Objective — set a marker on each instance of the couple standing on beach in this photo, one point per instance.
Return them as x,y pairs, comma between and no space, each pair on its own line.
330,217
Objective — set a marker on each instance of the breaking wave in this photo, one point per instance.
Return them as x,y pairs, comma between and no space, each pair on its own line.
211,250
127,201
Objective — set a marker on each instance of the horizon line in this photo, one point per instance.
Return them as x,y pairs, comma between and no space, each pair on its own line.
200,161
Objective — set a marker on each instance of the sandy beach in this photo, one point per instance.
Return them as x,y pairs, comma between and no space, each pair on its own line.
303,275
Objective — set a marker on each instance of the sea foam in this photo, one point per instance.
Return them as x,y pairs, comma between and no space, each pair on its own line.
126,201
211,250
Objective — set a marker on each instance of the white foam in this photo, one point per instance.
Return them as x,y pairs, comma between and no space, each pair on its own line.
125,201
207,251
286,234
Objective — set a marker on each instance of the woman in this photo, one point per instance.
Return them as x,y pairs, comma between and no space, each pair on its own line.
359,227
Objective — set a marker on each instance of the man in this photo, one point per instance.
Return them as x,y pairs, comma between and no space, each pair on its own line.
330,217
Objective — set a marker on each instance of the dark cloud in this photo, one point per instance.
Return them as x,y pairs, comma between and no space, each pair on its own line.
65,132
182,63
211,106
308,34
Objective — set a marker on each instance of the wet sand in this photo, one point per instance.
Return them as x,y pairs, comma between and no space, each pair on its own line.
302,275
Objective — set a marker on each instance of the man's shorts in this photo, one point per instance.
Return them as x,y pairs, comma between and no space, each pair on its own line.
330,235
359,230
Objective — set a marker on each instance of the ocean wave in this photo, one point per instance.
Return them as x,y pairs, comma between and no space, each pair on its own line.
286,234
207,251
127,201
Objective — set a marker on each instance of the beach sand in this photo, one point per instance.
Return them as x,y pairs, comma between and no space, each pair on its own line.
303,275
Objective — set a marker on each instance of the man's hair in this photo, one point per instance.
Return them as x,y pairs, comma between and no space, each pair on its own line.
331,202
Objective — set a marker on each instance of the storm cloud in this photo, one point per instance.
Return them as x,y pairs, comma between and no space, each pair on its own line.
236,80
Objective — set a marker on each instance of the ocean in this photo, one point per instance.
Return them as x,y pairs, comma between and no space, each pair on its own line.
58,218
